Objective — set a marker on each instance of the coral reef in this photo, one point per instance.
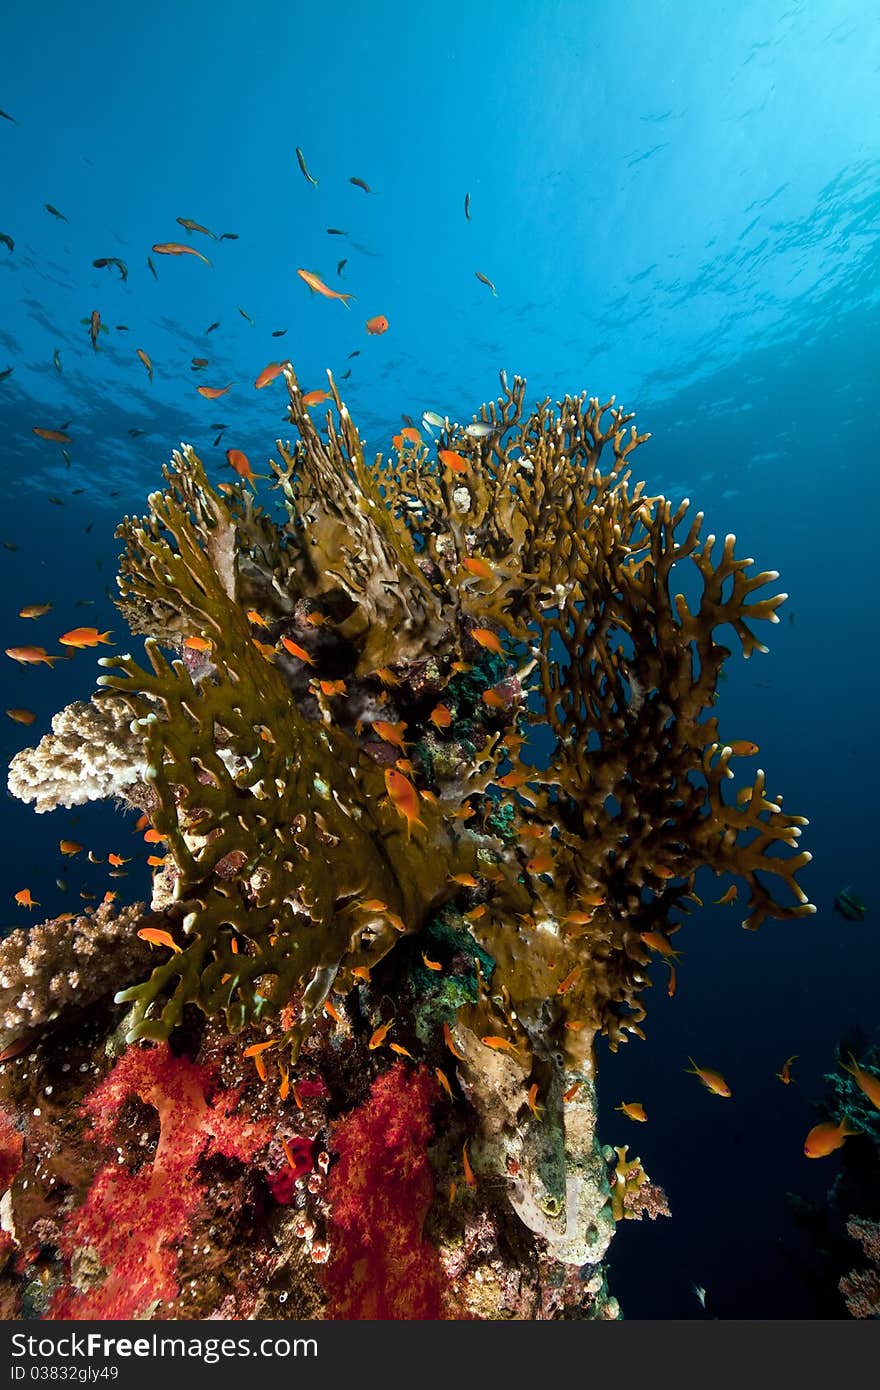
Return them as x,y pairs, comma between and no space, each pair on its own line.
434,760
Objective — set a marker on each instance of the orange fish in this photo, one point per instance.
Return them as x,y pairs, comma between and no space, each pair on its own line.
380,1035
867,1083
146,361
117,860
391,733
440,717
70,847
824,1138
332,687
332,1011
296,650
261,1067
256,618
55,436
493,700
540,864
386,675
156,937
452,460
532,1101
488,639
785,1074
729,897
30,656
571,1092
742,748
317,285
211,393
670,988
198,644
109,897
712,1080
85,637
34,610
517,778
475,913
447,1038
316,619
174,248
256,1048
404,797
284,1088
373,905
453,1186
444,1081
431,964
377,324
24,899
266,651
633,1109
401,1051
239,463
361,972
656,941
500,1044
269,373
153,837
474,565
157,861
569,980
405,765
466,880
22,716
468,1170
315,397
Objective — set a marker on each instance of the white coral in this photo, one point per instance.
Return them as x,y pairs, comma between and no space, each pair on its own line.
90,754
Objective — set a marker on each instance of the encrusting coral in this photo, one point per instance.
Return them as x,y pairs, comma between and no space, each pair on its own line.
440,745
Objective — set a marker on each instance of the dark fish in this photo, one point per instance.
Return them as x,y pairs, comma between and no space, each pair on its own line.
484,280
66,456
75,491
7,371
408,421
55,212
9,545
56,359
341,266
103,262
191,226
66,425
152,267
212,327
279,332
345,375
301,159
245,316
122,328
7,241
218,427
791,620
84,603
136,433
356,353
467,206
89,527
336,231
359,183
56,501
198,363
219,437
6,116
228,236
848,906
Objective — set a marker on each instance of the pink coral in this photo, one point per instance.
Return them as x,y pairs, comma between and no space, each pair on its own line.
133,1222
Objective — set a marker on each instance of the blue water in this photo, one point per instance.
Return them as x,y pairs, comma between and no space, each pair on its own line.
677,204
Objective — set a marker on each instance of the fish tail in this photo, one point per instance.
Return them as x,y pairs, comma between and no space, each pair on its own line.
105,637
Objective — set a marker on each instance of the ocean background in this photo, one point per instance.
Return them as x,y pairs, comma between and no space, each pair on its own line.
679,205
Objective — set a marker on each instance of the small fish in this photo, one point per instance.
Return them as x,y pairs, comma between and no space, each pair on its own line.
824,1138
488,639
136,433
56,360
269,373
468,1170
315,397
572,1091
301,160
656,941
444,1081
34,610
67,459
848,906
228,236
146,361
729,897
70,847
6,116
279,332
741,748
212,326
31,656
391,733
447,1038
152,267
404,798
85,637
157,861
198,644
401,1051
55,212
341,266
212,393
430,417
499,1044
296,650
157,937
256,1048
380,1035
104,262
117,860
95,327
191,226
480,430
712,1080
699,1295
246,316
22,716
7,241
493,699
569,980
467,206
484,280
122,328
24,899
373,905
316,284
94,858
452,460
330,688
386,676
532,1101
431,964
440,717
175,248
336,231
868,1084
7,371
359,183
377,324
198,364
633,1109
785,1074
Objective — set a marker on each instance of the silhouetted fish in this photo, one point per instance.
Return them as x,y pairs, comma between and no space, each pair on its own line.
849,906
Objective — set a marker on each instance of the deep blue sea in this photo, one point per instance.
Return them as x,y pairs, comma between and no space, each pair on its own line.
678,204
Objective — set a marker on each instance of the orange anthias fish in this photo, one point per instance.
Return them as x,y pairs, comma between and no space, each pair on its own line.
784,1075
239,463
824,1138
500,1044
742,748
22,716
633,1109
315,397
431,964
296,650
408,435
377,324
656,941
175,248
488,639
729,897
712,1080
468,1170
85,637
146,361
212,392
30,656
440,717
34,610
117,860
452,460
316,284
391,733
269,373
867,1083
380,1035
24,899
474,565
447,1038
444,1081
405,798
198,644
54,436
156,937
